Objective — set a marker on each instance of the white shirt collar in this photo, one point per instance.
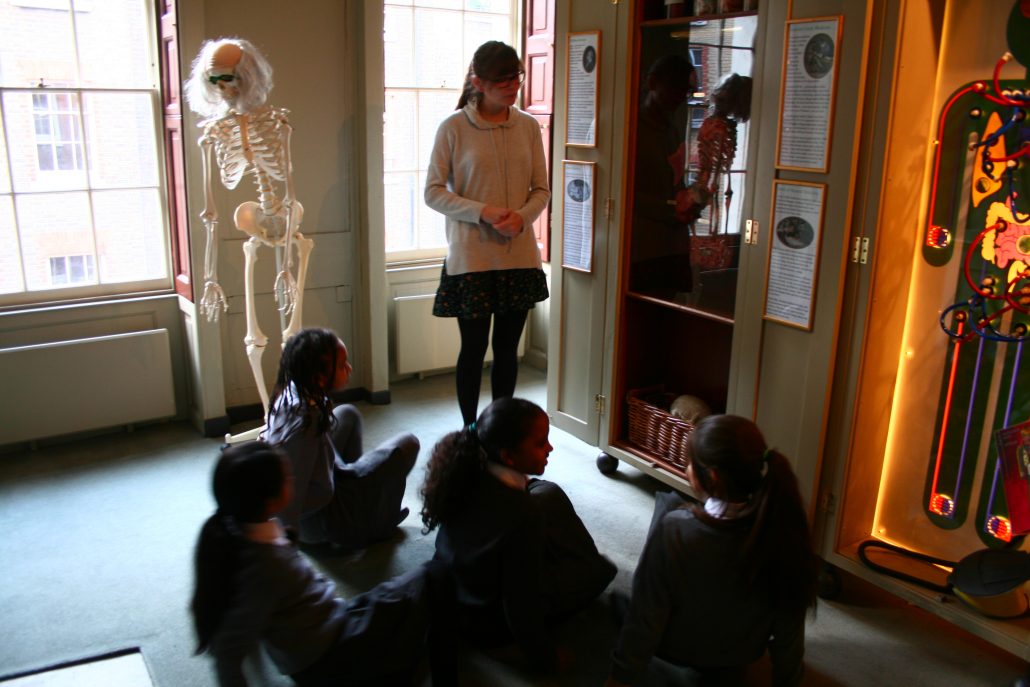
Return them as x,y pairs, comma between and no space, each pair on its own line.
267,532
510,477
723,510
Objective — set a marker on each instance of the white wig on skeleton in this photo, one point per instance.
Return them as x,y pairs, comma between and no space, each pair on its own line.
253,80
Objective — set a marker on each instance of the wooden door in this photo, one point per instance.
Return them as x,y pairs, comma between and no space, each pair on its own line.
581,334
538,93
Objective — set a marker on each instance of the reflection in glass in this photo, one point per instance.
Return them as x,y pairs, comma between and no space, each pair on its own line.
689,176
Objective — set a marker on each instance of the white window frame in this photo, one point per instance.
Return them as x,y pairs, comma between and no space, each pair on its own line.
53,114
89,271
90,289
420,255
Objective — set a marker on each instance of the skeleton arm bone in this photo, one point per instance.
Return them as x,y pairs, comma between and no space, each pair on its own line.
285,285
213,300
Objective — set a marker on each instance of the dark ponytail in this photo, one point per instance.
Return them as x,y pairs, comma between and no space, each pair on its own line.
777,557
492,61
460,457
246,477
453,465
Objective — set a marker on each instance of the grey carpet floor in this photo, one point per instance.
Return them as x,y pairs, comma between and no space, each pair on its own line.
98,535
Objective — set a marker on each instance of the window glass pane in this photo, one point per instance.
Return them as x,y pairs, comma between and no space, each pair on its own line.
398,30
114,63
498,6
36,44
10,256
433,108
122,144
440,4
427,51
66,127
438,64
431,227
52,225
76,269
131,243
40,164
42,127
45,157
5,177
58,271
480,28
65,156
399,132
402,202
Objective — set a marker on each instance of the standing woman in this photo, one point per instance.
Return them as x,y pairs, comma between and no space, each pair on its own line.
488,176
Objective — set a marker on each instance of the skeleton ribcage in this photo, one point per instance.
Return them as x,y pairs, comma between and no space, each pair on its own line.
252,144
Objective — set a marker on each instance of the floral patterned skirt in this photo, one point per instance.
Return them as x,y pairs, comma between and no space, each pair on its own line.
479,294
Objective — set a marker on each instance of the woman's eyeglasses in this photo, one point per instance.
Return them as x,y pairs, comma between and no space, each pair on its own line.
517,78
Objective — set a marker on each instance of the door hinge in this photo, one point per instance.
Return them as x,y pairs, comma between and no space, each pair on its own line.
599,400
609,207
827,502
860,250
751,232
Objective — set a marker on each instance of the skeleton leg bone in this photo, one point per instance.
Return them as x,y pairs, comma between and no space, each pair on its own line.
304,246
255,339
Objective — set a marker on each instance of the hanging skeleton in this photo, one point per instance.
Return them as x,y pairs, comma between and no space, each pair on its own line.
243,136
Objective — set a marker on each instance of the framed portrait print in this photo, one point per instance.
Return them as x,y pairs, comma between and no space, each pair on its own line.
796,233
584,51
578,215
810,58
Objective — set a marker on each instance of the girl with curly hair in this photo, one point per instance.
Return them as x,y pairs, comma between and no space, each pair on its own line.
522,559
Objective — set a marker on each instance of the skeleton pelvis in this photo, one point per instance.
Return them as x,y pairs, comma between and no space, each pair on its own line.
269,228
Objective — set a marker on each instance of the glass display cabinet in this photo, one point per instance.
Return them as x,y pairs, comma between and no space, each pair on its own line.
687,188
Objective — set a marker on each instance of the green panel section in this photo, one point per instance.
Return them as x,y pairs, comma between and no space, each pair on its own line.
991,501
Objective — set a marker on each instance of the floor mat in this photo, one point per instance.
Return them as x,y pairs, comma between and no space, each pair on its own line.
123,670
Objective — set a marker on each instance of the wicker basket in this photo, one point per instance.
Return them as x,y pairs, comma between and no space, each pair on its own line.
653,429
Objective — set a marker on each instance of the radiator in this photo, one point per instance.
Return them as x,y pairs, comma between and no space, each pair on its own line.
424,343
73,386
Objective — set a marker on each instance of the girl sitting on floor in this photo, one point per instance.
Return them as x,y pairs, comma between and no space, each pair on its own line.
254,588
521,558
718,584
342,496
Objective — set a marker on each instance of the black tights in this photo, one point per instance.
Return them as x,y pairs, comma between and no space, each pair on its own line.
505,369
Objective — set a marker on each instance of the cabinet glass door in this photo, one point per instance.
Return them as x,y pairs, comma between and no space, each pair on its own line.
689,132
689,178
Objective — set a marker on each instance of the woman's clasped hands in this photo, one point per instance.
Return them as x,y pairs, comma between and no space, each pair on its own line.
505,221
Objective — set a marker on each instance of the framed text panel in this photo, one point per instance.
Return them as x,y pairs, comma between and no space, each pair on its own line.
810,65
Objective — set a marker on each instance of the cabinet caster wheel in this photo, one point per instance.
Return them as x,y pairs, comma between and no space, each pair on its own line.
606,464
830,584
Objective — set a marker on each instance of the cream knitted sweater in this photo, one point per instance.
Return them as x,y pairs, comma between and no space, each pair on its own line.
477,163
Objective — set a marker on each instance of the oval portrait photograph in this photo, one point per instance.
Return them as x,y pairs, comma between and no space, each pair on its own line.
819,55
578,190
589,59
795,232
